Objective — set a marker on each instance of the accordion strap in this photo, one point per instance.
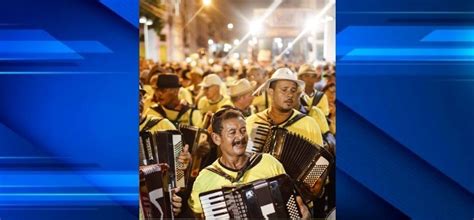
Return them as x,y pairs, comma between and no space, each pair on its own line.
316,98
294,119
183,110
150,123
254,160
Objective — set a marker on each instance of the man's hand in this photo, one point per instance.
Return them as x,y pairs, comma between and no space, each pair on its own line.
177,202
184,157
304,209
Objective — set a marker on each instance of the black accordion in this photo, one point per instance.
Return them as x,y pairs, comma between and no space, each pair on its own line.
304,161
196,138
271,198
163,147
155,192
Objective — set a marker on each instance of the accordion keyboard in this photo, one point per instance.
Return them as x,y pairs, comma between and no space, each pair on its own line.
316,172
259,137
214,205
291,205
271,198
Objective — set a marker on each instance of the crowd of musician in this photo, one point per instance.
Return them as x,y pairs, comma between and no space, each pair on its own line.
237,129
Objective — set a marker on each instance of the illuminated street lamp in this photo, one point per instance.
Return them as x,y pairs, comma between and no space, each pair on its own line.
255,27
146,22
210,42
236,42
206,2
230,26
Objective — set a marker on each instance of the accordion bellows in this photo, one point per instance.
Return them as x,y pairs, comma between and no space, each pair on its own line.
303,160
155,193
271,198
163,147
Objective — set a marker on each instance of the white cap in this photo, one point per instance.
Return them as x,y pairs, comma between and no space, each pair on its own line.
280,74
210,80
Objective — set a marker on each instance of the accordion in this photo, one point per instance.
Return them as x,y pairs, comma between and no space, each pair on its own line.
155,192
271,198
196,138
163,147
304,161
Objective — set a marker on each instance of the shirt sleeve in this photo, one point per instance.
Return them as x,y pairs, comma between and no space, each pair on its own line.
197,118
201,104
318,115
194,202
164,125
324,105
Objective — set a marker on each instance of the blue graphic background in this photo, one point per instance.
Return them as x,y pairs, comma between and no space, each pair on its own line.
68,109
405,120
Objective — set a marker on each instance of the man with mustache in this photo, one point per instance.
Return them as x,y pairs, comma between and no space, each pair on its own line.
284,89
235,165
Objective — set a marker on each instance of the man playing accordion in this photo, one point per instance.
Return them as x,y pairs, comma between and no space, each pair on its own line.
235,165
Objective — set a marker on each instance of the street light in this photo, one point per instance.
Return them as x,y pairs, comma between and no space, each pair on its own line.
236,42
206,2
230,26
210,42
146,22
255,27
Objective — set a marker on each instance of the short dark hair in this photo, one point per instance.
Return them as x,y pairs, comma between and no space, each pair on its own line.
224,114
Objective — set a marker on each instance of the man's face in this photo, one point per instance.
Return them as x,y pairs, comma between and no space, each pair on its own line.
285,95
166,96
212,92
196,78
256,76
309,79
233,137
247,99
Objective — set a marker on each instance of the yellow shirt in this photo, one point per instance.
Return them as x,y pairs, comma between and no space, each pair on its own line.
148,97
172,115
163,125
250,110
184,94
306,126
205,106
318,115
208,180
259,102
323,103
